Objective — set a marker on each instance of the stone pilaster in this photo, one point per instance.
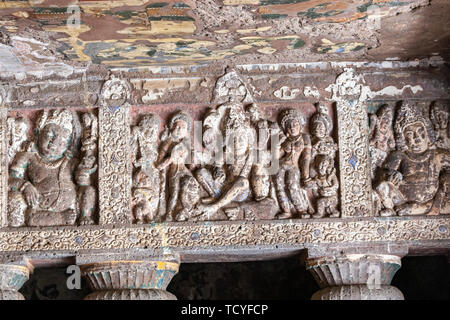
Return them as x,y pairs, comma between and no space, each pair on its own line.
12,278
354,275
130,280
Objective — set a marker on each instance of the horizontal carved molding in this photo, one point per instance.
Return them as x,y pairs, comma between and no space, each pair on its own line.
185,236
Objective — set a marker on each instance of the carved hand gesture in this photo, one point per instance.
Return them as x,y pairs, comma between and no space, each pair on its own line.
31,195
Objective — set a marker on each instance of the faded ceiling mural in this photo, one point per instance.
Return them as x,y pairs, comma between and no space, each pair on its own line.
141,32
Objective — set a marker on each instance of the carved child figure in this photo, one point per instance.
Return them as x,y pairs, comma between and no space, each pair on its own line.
146,178
189,199
411,186
325,187
381,136
289,192
173,154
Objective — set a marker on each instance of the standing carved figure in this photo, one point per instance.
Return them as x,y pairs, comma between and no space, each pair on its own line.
174,154
439,117
146,178
289,191
17,135
411,182
87,194
381,140
322,142
42,188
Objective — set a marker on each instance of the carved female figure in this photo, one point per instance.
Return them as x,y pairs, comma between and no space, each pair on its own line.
289,192
173,154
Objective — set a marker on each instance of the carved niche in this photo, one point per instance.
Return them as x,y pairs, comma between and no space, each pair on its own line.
411,161
243,162
52,165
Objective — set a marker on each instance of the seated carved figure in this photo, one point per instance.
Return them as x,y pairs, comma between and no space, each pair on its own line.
411,183
42,188
230,187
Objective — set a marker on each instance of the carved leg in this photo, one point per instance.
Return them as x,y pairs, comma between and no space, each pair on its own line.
281,194
355,276
130,280
12,278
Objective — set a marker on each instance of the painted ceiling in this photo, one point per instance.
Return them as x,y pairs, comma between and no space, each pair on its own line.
141,32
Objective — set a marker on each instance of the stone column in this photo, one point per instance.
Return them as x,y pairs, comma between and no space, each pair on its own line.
355,275
130,279
12,278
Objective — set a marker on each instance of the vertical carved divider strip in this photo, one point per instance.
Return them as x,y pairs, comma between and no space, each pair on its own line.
114,165
353,135
3,166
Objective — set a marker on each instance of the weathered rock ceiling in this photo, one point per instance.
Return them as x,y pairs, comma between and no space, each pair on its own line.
36,35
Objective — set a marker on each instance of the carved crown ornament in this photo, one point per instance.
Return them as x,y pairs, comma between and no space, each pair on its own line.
188,176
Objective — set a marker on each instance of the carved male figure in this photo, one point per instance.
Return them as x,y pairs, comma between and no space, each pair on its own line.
42,187
412,172
288,188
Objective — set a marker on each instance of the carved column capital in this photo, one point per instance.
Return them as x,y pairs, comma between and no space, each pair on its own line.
355,276
12,278
130,280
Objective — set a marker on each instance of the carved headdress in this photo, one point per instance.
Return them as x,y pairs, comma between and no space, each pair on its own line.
323,117
407,115
289,115
62,118
181,115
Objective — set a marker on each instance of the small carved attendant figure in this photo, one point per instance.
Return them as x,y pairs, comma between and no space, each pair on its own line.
174,153
146,178
289,192
86,192
17,135
41,183
412,184
381,136
439,117
321,127
325,187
